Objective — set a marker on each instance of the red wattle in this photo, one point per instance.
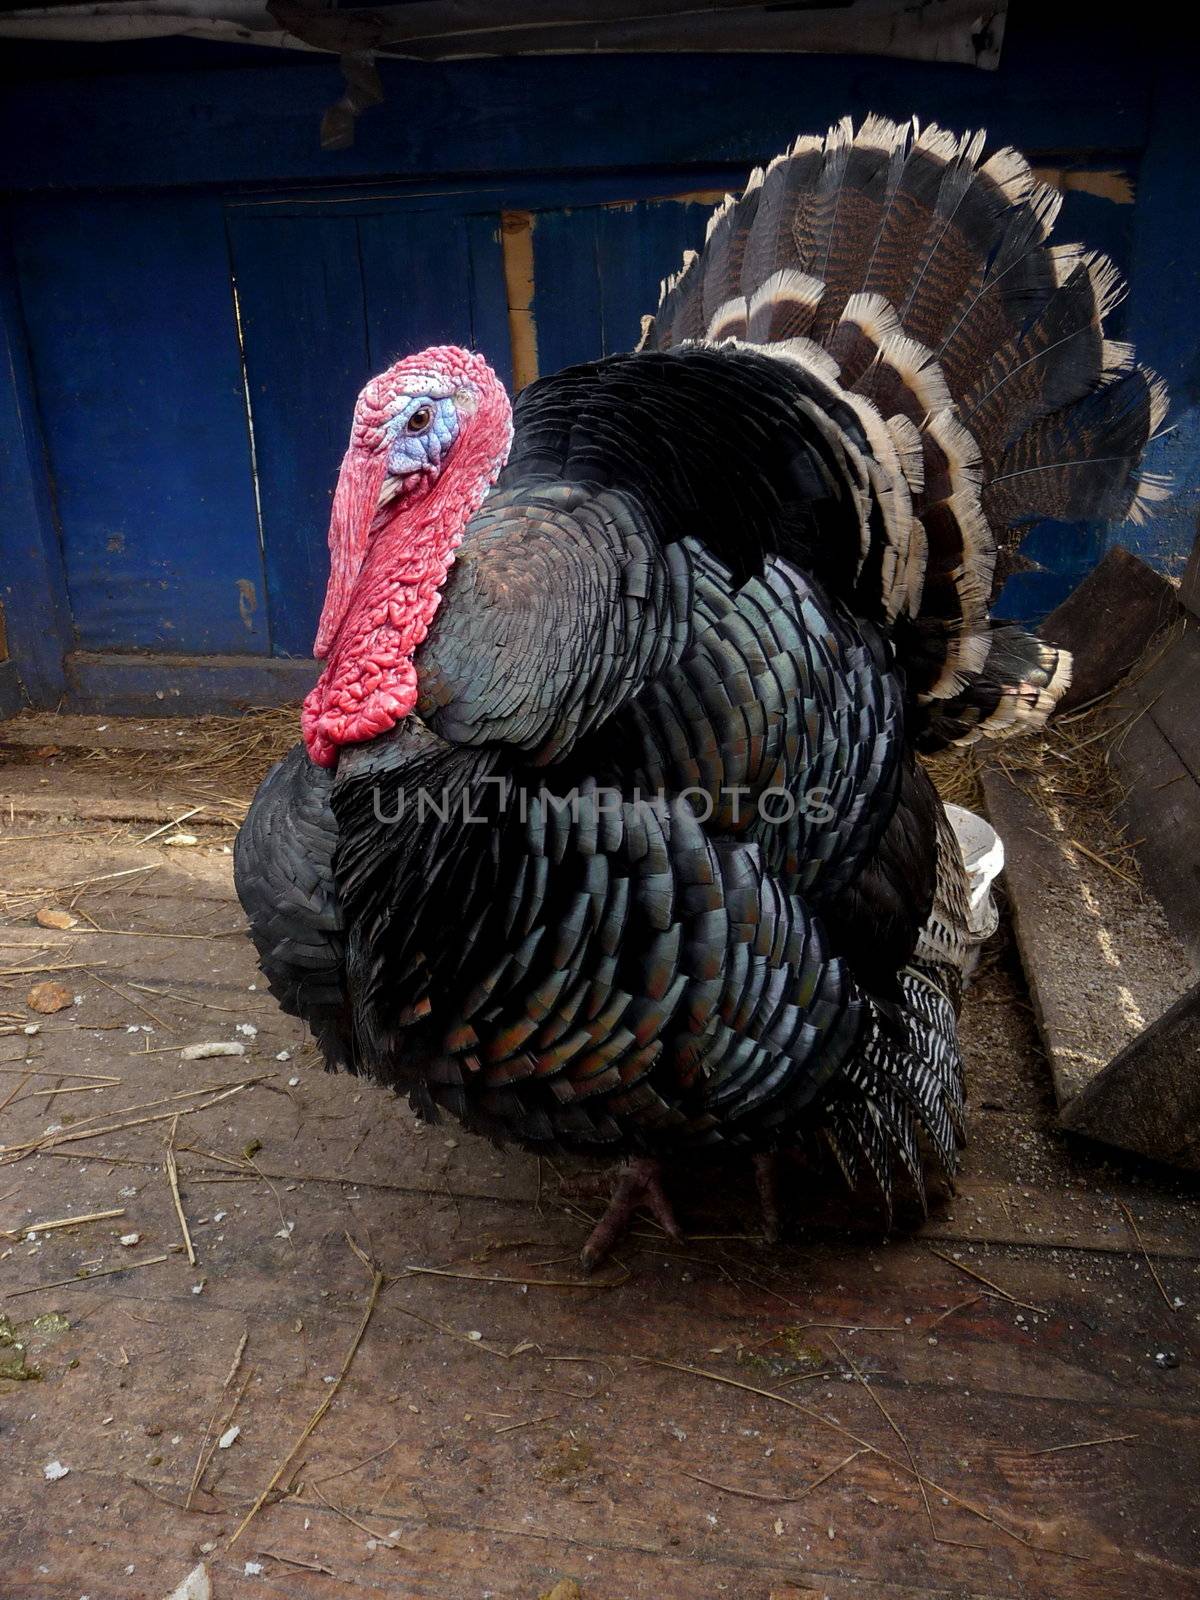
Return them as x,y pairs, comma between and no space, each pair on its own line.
388,564
354,504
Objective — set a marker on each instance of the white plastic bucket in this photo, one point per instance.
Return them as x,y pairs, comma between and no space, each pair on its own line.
983,854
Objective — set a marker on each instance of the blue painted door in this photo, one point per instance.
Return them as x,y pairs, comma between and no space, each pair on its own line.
597,271
329,292
133,344
328,295
196,358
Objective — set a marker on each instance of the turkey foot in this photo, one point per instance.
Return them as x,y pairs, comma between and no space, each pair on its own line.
638,1184
766,1179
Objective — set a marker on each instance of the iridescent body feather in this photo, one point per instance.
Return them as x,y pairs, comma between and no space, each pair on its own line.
678,882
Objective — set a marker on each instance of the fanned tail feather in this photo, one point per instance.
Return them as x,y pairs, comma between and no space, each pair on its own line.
974,357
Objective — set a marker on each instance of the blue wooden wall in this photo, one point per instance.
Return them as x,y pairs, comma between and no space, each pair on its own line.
191,294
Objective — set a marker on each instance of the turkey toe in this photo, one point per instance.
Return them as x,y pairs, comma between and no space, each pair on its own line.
639,1184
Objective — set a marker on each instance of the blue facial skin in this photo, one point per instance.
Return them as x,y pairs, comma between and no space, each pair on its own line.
423,450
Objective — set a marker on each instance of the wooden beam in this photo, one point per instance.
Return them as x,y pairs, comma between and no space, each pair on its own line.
33,586
1102,965
430,30
1157,758
516,243
1148,1097
1107,622
577,114
1165,289
182,686
1189,591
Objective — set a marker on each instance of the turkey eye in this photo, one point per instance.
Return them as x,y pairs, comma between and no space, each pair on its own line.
420,420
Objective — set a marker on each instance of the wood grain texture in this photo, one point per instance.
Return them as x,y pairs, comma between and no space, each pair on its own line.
303,312
33,588
1189,592
547,133
1100,968
590,1486
1158,760
1060,90
1151,1091
1108,621
134,352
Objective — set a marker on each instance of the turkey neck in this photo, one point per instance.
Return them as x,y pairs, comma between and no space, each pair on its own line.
369,682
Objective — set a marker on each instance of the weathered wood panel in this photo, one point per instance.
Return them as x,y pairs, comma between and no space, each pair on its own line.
303,315
1062,88
551,1447
1157,755
135,354
1100,962
33,589
329,296
1107,622
597,271
1150,1093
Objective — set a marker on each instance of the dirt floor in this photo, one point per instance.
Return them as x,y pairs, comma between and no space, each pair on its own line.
382,1375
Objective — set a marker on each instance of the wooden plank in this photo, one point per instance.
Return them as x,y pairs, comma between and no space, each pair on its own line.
1034,1384
1165,282
329,297
604,1472
1189,590
135,353
516,238
1151,1090
1167,692
433,276
1100,964
19,800
416,271
33,590
489,293
68,731
505,1473
1107,622
433,31
567,302
102,684
597,271
303,317
12,692
637,246
1060,90
1157,757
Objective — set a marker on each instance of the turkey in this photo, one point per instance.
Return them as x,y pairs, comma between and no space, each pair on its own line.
607,832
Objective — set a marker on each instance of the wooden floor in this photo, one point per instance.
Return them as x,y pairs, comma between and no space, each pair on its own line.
1005,1403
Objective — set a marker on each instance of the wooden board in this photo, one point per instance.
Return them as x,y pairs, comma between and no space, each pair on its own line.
1157,755
1189,590
37,730
1108,621
300,294
553,1447
116,684
1151,1090
329,296
1101,962
597,272
139,383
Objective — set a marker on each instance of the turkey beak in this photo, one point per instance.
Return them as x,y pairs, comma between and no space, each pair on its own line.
357,498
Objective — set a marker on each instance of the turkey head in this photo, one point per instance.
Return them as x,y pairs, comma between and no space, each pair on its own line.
429,437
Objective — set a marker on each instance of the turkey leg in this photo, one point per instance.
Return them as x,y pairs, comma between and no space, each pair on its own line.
766,1180
638,1184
